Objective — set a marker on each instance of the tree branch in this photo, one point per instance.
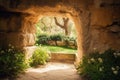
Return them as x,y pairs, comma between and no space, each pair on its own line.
65,21
56,22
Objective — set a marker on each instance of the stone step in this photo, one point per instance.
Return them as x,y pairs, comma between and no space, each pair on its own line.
63,57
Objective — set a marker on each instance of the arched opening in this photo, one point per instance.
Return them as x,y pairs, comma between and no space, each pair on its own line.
28,17
58,35
60,10
95,28
77,26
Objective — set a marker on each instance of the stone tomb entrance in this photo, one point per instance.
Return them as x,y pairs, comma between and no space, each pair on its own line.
95,28
18,26
97,24
46,26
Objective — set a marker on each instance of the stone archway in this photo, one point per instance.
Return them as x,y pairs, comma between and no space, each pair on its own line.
78,25
17,19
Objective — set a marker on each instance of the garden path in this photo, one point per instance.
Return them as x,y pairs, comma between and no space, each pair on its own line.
51,71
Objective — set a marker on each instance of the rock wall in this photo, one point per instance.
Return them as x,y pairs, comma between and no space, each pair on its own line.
16,30
105,25
97,22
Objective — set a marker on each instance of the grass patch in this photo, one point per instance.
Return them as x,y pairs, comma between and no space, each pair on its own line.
60,49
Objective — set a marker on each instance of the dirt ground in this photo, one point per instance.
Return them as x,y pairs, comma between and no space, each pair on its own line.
51,71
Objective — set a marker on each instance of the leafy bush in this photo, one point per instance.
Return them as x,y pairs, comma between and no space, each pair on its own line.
43,39
67,41
39,57
105,66
12,62
56,37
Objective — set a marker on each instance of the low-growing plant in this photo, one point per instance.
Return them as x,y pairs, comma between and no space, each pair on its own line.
12,62
39,57
67,41
104,66
43,39
56,37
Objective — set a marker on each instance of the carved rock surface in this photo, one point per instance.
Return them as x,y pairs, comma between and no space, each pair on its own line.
93,20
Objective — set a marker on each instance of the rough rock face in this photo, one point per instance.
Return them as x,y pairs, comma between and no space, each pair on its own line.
97,21
105,25
16,30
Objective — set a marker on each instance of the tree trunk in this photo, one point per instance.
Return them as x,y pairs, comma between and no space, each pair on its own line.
65,27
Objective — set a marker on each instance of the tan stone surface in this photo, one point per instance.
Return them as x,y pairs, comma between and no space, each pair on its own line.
101,17
63,57
95,21
52,71
29,50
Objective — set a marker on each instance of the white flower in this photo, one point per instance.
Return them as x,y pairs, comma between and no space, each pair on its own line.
9,45
100,69
112,68
117,67
94,49
88,61
2,51
12,47
92,59
118,54
115,72
9,50
115,54
100,60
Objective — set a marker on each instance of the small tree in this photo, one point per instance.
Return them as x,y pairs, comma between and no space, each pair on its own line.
65,26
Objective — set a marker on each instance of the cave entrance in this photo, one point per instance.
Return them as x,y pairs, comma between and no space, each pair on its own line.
61,11
56,68
57,34
22,22
27,14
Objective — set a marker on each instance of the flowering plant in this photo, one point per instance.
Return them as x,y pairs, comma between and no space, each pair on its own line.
101,66
12,61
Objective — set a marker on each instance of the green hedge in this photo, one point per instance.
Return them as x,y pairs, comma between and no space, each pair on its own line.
55,38
44,39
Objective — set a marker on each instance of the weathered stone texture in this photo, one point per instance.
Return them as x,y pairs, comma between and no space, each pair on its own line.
105,26
10,23
101,17
97,21
17,39
29,50
16,30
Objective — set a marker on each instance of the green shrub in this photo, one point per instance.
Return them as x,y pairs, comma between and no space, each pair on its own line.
67,40
12,62
105,66
39,57
56,37
43,39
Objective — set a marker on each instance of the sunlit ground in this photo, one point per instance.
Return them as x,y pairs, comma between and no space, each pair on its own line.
50,67
51,71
